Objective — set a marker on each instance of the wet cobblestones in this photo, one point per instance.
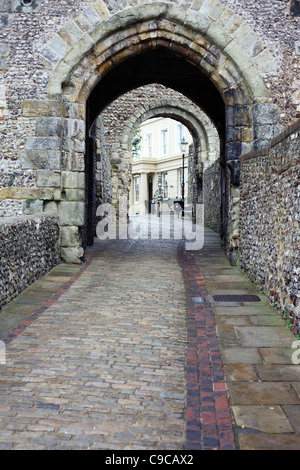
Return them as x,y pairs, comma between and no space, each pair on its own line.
104,365
132,351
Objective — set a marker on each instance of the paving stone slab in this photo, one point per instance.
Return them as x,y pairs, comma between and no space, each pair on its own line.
262,393
269,442
296,387
215,285
34,292
269,419
282,373
266,320
49,285
226,278
240,355
240,372
227,336
293,414
246,310
19,308
31,299
57,278
234,320
276,355
264,336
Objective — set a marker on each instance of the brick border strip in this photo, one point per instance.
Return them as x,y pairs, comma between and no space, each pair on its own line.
208,420
34,315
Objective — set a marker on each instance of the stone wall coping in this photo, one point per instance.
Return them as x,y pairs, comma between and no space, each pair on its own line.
275,141
286,133
4,221
255,154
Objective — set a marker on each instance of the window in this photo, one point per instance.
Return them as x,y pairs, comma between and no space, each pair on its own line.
149,145
164,141
165,185
136,189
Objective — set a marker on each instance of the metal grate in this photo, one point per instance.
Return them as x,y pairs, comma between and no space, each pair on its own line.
198,300
236,298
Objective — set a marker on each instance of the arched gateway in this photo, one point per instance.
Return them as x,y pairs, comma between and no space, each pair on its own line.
152,103
111,53
201,128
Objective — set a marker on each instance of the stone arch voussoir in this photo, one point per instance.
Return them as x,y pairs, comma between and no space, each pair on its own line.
189,23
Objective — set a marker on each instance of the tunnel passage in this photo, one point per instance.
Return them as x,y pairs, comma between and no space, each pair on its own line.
158,66
155,66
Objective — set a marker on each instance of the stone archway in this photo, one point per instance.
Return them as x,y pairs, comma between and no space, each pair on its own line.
206,143
85,62
200,126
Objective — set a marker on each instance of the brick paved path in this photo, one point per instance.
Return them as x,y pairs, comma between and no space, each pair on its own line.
104,365
132,351
208,420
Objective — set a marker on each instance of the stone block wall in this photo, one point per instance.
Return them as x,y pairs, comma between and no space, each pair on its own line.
29,248
270,222
103,166
211,196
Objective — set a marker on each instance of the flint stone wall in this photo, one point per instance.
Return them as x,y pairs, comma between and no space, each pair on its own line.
270,222
29,248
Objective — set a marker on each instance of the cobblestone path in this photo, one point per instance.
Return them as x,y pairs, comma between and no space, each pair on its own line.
104,366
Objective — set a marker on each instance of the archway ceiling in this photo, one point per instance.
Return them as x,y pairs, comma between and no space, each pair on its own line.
164,67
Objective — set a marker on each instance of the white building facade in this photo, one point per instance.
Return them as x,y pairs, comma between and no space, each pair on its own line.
157,166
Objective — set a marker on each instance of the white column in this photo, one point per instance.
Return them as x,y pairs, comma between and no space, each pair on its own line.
143,193
131,197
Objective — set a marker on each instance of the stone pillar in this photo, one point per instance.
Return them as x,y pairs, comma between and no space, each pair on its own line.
265,124
239,138
71,211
